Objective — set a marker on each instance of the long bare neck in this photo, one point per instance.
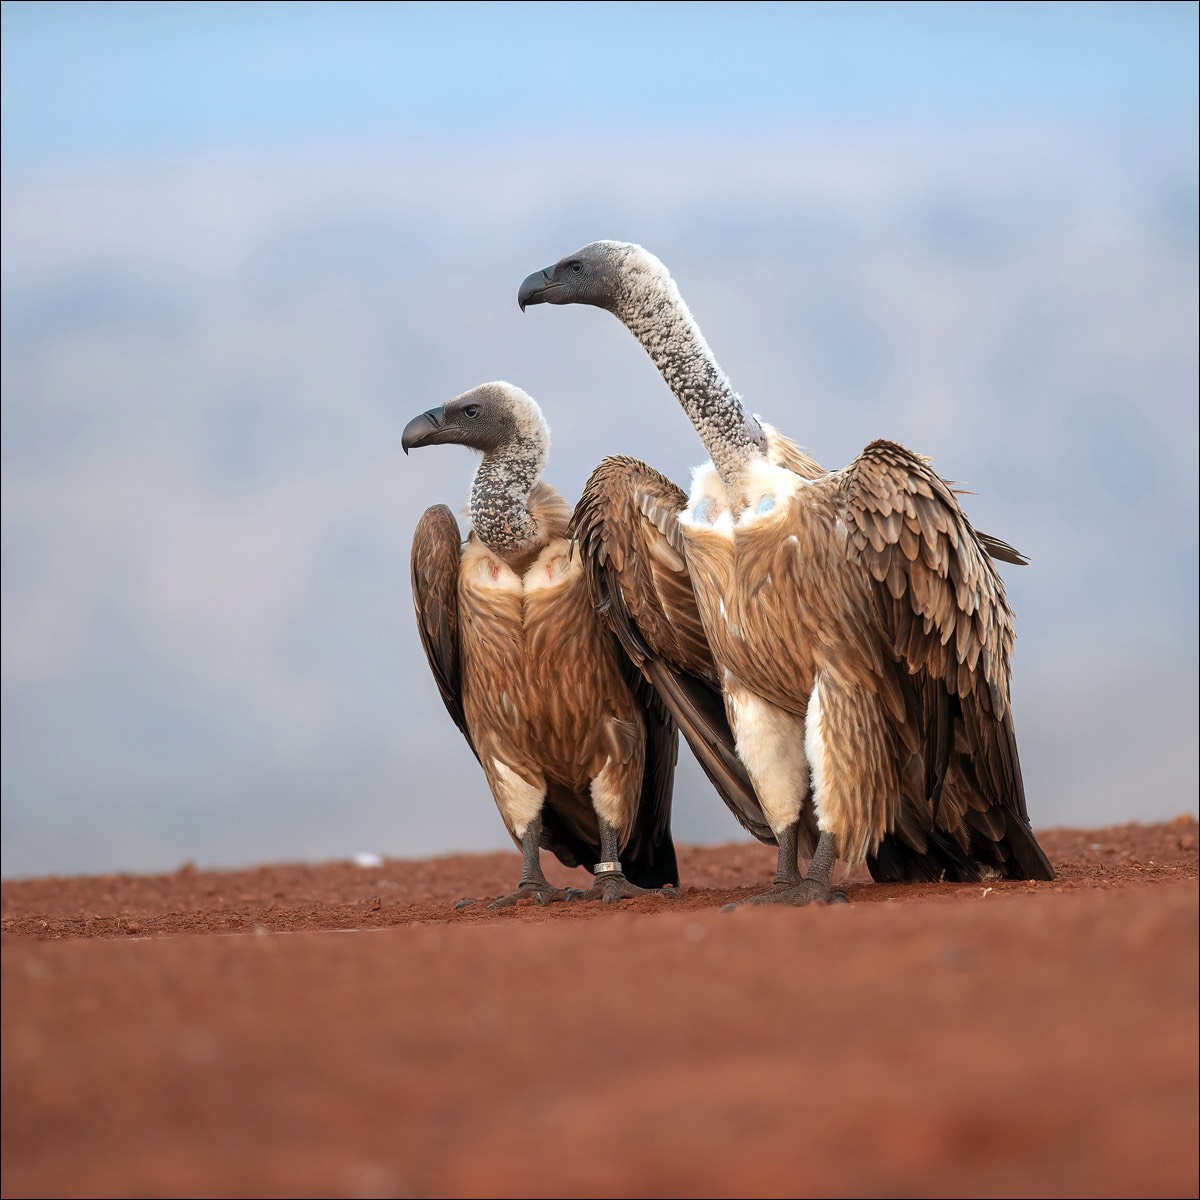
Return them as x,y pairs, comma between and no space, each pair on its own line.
499,506
654,312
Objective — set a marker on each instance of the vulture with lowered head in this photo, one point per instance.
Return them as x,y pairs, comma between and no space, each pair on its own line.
577,749
860,632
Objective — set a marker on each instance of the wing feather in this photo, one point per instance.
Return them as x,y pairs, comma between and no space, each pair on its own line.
945,617
625,527
649,858
436,555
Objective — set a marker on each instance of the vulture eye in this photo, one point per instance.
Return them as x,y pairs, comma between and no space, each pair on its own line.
472,411
576,267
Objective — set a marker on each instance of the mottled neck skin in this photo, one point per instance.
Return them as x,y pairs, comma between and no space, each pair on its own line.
499,504
654,312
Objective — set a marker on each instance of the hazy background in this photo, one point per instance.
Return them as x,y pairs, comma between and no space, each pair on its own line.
244,243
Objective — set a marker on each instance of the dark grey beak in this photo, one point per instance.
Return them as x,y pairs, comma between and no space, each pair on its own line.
535,286
422,430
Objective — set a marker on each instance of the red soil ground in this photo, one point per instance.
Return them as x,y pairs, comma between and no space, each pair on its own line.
162,1035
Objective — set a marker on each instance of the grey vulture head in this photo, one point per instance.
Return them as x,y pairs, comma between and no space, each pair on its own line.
488,418
604,274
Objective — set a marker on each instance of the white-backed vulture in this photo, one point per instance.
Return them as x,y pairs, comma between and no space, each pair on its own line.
578,751
860,630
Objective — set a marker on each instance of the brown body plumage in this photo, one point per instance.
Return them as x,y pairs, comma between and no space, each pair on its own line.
854,620
572,741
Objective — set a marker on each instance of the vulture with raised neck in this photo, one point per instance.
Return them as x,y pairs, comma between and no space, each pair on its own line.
577,749
860,632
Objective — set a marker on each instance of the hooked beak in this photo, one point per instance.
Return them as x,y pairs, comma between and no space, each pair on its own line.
534,288
423,430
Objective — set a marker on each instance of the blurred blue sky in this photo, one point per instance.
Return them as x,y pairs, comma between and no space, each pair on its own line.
244,243
92,81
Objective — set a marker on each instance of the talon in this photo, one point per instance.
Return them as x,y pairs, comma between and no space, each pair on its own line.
465,903
806,891
541,898
728,907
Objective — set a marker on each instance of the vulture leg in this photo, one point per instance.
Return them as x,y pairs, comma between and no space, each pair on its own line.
611,884
814,888
533,885
787,872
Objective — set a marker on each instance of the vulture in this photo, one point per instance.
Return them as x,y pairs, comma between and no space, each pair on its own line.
856,627
577,749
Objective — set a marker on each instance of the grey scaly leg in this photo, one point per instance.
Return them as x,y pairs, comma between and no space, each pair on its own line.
814,888
787,872
792,888
533,885
611,884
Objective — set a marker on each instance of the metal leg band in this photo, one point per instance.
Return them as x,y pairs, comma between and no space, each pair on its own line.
607,868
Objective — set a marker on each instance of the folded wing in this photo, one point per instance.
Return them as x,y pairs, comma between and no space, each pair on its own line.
625,529
943,613
436,554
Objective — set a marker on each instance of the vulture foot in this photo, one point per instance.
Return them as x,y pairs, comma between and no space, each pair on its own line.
611,887
541,891
803,891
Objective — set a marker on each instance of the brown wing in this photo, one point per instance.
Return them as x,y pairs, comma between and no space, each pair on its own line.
943,611
625,529
783,452
436,554
1001,550
649,858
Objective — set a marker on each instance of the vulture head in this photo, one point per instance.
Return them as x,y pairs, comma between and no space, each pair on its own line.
606,274
489,418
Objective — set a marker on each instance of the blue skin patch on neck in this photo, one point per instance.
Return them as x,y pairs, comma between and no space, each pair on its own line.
704,511
766,504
